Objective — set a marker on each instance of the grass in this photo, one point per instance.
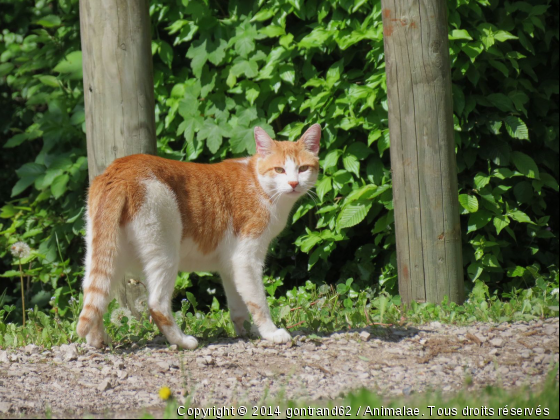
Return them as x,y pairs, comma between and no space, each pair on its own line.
312,309
491,402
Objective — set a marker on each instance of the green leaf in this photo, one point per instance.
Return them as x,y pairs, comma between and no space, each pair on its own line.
478,220
516,128
490,260
212,133
22,185
352,214
549,181
58,186
520,216
516,271
71,65
523,192
458,34
473,49
469,202
501,101
323,187
166,53
503,36
331,159
500,223
481,180
249,69
6,68
384,142
351,164
49,21
525,164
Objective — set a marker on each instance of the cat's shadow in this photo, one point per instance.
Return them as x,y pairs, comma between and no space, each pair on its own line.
388,334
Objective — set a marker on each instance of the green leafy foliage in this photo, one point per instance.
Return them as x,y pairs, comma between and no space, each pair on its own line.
221,68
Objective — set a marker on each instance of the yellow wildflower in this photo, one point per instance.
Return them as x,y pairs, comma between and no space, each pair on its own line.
164,393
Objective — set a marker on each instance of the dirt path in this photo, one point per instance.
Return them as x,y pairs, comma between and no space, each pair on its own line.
74,380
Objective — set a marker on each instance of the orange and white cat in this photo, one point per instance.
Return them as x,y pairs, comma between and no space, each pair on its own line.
153,216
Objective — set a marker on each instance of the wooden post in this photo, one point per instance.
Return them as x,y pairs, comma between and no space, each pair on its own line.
423,150
118,90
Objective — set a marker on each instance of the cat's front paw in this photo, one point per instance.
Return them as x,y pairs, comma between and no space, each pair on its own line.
279,336
189,342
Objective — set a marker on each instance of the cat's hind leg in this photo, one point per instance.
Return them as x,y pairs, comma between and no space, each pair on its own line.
156,235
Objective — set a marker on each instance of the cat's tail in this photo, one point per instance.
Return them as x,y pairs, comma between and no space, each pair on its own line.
105,210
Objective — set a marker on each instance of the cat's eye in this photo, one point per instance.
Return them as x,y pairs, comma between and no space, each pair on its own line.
279,170
303,168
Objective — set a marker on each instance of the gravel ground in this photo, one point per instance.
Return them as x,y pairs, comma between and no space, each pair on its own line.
74,380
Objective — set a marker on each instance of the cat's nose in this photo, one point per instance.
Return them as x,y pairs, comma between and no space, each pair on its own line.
293,184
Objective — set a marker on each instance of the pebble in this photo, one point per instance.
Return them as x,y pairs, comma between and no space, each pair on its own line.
364,336
497,342
104,385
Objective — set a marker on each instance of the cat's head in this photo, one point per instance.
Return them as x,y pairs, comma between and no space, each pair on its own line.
287,170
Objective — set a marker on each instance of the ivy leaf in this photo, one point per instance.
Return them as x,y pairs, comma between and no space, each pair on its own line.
249,69
525,164
198,55
212,133
469,202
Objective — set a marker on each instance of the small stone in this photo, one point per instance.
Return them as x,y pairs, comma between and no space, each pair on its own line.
118,364
4,357
106,370
526,354
173,347
364,336
163,366
5,407
539,350
104,386
122,374
32,349
497,342
205,361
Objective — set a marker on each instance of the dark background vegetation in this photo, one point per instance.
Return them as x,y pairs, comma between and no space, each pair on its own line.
222,67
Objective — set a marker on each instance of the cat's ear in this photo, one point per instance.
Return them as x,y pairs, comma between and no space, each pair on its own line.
263,141
311,139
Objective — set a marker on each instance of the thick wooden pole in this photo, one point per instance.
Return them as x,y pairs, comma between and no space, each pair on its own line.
118,89
423,150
